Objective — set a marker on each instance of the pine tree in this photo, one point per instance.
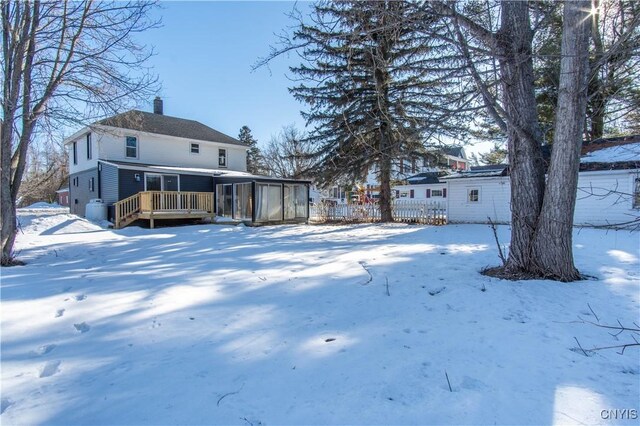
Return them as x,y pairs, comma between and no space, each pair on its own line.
255,160
373,93
497,155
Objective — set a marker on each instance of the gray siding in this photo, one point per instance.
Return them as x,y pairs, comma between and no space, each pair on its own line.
196,183
79,192
109,183
127,183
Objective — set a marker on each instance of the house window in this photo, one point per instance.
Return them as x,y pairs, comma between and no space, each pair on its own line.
636,194
131,147
88,146
436,193
243,201
222,157
224,200
91,185
473,195
75,153
195,148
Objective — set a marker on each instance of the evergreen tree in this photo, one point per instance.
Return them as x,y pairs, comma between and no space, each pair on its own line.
497,155
369,80
255,160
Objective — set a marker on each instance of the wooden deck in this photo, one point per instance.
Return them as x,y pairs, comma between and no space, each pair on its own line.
159,205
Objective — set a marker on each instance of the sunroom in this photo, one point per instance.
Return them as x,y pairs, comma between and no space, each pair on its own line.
261,200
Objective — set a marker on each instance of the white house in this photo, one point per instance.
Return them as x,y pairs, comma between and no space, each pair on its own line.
137,152
608,188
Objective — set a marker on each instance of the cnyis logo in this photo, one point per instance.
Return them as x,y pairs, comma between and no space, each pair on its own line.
625,414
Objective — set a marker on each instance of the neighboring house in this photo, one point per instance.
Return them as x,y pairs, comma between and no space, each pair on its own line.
63,196
420,174
608,187
423,186
137,152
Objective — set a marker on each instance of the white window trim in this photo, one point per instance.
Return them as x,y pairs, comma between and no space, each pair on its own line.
89,144
434,195
161,180
226,158
191,148
471,188
137,157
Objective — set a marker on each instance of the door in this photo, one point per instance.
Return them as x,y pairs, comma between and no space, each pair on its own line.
169,182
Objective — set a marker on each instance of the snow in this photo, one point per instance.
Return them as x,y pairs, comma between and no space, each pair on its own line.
614,154
44,205
216,324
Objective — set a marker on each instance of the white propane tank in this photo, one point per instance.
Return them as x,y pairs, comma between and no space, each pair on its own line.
96,210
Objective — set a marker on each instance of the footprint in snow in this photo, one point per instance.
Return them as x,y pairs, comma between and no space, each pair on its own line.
4,404
45,349
49,369
435,291
83,327
59,313
80,297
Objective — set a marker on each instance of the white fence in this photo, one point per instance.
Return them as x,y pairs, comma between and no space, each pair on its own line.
427,212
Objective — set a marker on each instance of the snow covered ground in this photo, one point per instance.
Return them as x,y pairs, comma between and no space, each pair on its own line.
219,324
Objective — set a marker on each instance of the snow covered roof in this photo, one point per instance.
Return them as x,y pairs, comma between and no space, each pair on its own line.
491,170
193,171
614,154
424,178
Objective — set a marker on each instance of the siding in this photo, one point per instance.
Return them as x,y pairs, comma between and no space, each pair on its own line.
420,191
80,195
494,202
127,184
605,198
196,183
108,183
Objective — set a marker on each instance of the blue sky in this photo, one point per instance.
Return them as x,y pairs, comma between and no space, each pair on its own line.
205,51
204,55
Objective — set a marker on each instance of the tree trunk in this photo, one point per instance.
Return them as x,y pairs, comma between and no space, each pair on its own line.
552,250
386,214
7,204
525,156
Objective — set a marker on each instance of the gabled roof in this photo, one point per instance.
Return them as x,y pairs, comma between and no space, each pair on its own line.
166,125
454,151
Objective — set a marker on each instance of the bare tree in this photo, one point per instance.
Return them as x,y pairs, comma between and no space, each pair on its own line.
64,62
288,154
46,172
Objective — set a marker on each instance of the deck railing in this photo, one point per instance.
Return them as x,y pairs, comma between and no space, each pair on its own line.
427,212
167,201
148,202
126,209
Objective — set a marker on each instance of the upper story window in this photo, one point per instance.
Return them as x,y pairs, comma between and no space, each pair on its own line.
222,157
636,194
88,146
131,147
473,195
75,152
195,148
